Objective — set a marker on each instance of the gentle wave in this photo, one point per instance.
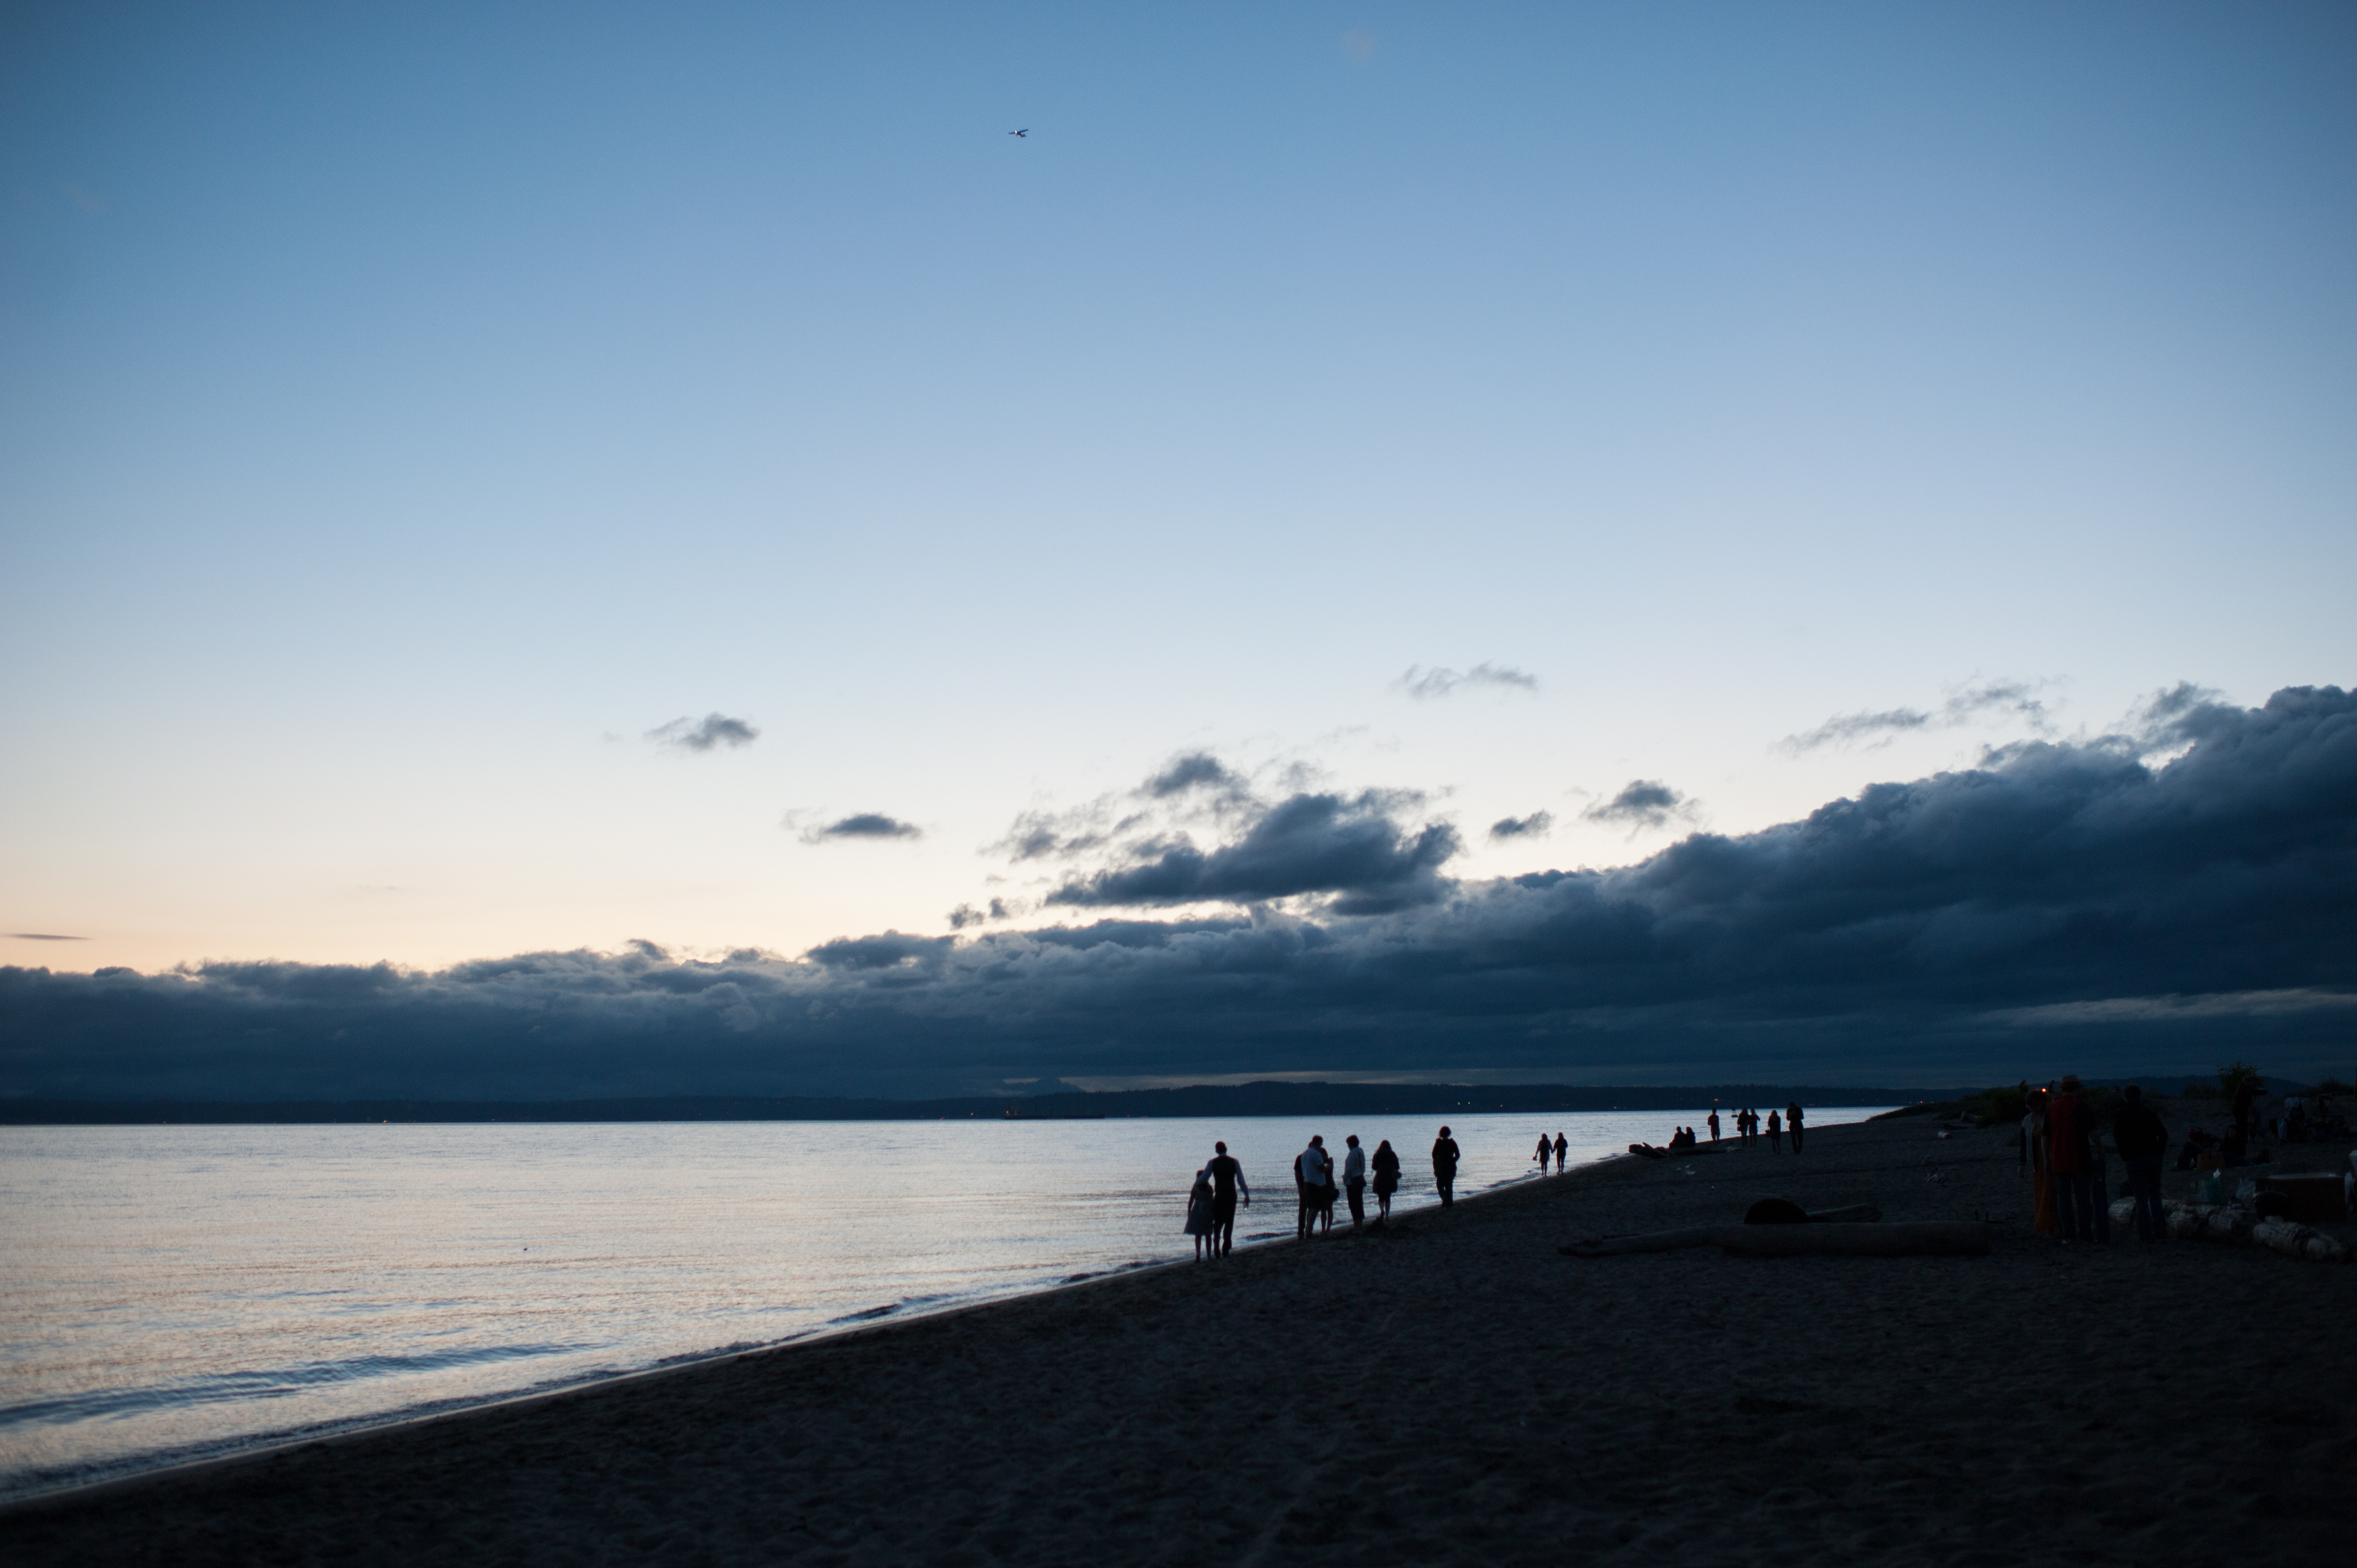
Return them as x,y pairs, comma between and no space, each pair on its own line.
281,1382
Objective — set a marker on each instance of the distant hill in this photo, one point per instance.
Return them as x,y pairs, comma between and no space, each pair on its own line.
1268,1099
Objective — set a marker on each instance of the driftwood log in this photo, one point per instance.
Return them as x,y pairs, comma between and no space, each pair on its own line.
2215,1222
1906,1239
1706,1235
2299,1240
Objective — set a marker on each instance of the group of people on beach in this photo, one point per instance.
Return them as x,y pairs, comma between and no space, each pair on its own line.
1318,1180
2062,1155
1560,1149
1747,1128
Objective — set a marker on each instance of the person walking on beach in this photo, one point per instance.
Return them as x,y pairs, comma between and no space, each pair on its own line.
1713,1124
1546,1149
1792,1124
1775,1133
1310,1178
1227,1180
1562,1151
1387,1164
2142,1139
1354,1180
1200,1223
1444,1168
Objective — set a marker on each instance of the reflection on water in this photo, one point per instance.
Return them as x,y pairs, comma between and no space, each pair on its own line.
173,1291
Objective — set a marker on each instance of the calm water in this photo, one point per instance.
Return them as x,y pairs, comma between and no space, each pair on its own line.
167,1293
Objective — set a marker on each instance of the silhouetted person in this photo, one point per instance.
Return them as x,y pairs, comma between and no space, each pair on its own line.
1309,1181
2070,1156
2238,1140
1354,1180
1227,1180
1200,1223
1561,1151
1713,1124
1546,1149
1792,1124
1444,1168
2143,1142
1775,1133
1387,1166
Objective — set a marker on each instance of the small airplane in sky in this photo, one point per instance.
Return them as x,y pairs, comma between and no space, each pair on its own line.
1025,132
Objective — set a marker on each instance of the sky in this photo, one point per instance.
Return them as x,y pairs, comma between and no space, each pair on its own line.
480,481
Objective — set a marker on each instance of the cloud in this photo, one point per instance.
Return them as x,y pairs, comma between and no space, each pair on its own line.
1534,826
1425,684
890,951
2015,699
2063,905
863,825
1192,787
705,734
45,937
1193,770
1306,845
1643,803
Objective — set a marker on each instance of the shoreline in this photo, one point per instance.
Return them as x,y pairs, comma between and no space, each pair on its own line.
361,1427
1452,1389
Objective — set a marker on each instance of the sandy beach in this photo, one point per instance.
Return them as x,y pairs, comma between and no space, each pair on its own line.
1451,1390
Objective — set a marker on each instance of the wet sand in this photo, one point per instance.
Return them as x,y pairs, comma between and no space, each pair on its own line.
1454,1390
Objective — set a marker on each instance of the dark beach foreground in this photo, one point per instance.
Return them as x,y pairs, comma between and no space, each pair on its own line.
1453,1390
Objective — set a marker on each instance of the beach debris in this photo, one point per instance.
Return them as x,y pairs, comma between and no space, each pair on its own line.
2217,1222
2210,1222
1904,1239
1649,1241
2297,1240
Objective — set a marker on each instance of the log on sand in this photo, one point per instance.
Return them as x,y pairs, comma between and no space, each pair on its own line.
1910,1239
2297,1240
1703,1235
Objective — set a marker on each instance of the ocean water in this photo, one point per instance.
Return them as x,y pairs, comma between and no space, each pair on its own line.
175,1293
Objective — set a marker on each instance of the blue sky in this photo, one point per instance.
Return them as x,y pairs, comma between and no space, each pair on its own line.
406,412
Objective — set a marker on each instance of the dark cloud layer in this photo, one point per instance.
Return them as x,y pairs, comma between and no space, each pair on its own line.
705,734
2074,906
1306,844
